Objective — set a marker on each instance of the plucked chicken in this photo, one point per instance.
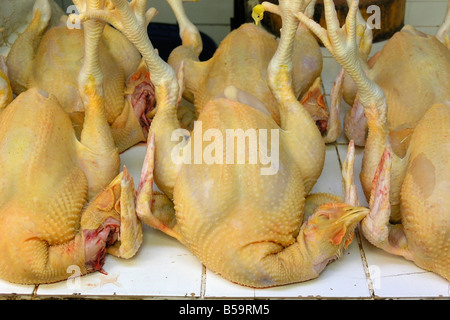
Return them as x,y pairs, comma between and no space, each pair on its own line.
409,91
63,202
15,16
51,58
413,188
242,58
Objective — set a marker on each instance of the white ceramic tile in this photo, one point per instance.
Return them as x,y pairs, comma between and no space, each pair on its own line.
330,70
377,46
393,276
428,30
344,277
445,1
162,266
330,179
325,52
215,32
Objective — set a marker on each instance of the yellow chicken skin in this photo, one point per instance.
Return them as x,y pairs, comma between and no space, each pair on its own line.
409,91
15,16
246,226
63,202
411,190
242,58
423,234
51,60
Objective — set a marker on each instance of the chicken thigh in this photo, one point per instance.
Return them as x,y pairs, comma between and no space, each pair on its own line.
241,221
415,186
63,202
51,60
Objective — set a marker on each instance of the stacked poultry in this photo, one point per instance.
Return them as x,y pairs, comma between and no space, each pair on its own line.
411,189
63,201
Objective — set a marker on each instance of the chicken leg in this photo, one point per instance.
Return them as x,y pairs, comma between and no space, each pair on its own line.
420,180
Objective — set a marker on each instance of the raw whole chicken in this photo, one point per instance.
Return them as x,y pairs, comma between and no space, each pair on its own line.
51,58
63,202
242,58
245,225
409,91
415,186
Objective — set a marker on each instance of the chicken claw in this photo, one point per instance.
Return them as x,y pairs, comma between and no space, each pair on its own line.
6,95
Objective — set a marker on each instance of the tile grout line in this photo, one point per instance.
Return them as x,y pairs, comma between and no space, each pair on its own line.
203,282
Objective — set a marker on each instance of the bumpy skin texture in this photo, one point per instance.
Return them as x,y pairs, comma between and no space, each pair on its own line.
424,204
423,232
51,60
408,95
411,190
242,228
235,64
15,15
43,192
409,91
63,201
